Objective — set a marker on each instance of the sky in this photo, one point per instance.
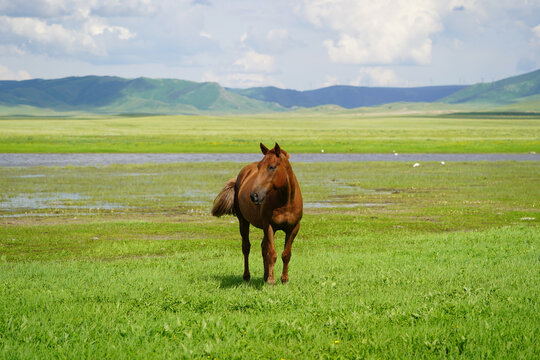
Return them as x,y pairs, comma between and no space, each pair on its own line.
301,45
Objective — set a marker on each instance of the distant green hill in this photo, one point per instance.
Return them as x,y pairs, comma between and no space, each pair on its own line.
522,90
107,94
115,95
516,89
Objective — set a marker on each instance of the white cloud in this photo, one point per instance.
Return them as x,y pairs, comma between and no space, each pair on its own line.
536,31
7,74
298,43
55,38
330,81
243,38
370,32
376,76
252,61
95,27
241,80
55,34
204,34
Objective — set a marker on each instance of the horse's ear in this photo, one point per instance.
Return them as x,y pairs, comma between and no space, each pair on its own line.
277,149
264,149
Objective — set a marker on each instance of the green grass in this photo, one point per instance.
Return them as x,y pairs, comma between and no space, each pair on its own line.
338,131
391,262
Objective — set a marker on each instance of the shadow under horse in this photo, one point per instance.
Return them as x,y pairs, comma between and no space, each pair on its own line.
266,195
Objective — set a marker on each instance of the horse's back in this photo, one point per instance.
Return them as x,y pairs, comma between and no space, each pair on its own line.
244,178
245,173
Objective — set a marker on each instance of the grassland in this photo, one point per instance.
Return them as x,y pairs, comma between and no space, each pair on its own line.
402,128
391,262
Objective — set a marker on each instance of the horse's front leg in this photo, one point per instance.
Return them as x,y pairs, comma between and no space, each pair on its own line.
286,255
246,245
269,254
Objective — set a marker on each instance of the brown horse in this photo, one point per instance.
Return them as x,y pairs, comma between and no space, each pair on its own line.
266,195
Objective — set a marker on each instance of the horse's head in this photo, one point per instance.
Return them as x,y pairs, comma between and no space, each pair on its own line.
272,173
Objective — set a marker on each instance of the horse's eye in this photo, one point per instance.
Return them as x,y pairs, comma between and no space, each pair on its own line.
271,167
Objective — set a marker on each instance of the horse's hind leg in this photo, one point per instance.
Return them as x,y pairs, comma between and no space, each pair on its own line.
286,255
246,245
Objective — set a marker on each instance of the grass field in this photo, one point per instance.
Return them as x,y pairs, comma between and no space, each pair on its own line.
338,131
391,261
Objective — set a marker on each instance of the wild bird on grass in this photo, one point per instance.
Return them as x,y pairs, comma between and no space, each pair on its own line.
266,195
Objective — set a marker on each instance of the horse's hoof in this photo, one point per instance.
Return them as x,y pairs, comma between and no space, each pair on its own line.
271,282
247,277
284,280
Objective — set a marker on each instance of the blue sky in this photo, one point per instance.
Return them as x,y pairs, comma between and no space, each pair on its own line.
290,44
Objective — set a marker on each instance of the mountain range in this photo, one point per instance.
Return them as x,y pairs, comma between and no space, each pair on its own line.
115,95
348,97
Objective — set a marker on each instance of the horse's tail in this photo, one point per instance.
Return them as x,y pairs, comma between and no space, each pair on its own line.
224,202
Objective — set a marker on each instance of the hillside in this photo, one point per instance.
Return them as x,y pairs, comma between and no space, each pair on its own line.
507,91
348,96
115,95
106,94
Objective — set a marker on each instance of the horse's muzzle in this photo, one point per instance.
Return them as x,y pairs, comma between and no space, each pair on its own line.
256,198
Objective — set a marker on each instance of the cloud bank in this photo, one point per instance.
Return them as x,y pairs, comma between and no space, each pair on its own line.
376,32
298,45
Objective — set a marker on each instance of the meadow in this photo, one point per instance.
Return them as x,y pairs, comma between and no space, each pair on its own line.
405,128
392,261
